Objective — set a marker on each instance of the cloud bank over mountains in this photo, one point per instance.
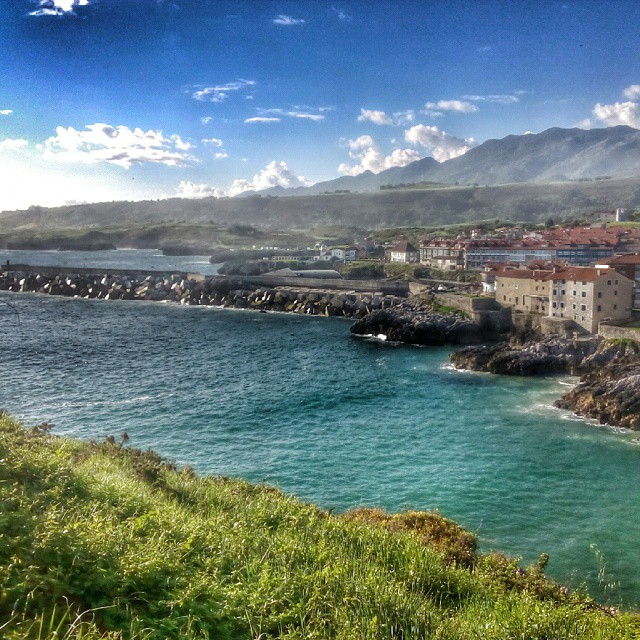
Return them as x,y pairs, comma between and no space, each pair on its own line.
616,113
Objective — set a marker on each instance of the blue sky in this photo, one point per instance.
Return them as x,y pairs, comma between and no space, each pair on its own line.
133,99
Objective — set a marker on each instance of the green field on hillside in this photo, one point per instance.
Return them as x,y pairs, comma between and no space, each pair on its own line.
98,540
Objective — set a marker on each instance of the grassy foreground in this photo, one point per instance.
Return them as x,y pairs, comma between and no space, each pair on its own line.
102,541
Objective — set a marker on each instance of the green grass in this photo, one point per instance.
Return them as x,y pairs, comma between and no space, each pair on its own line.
102,541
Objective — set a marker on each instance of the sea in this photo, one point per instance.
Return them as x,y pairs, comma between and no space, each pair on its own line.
297,402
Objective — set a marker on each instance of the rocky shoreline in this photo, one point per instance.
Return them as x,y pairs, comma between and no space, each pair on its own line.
609,386
417,322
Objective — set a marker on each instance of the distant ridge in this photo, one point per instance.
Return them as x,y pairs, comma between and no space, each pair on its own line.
555,155
525,178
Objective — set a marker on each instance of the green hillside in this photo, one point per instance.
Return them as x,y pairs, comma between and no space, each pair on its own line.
103,541
525,202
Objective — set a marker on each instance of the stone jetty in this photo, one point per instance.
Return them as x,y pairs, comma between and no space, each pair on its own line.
198,290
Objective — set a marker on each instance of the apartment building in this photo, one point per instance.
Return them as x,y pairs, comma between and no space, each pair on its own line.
402,252
525,290
629,266
588,295
585,295
442,254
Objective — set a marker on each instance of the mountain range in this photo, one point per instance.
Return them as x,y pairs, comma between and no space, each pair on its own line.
526,178
555,155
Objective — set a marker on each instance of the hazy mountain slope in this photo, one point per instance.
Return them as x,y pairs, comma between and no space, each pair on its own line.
553,155
418,171
401,207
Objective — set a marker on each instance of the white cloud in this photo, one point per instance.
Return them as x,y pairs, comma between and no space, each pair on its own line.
220,154
459,106
262,119
370,158
315,117
377,117
404,117
220,92
206,119
57,7
618,113
343,16
13,144
632,92
497,98
381,117
273,175
6,112
438,143
215,142
188,189
302,113
116,145
287,21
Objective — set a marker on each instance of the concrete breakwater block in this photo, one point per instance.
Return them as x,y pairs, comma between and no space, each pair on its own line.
198,291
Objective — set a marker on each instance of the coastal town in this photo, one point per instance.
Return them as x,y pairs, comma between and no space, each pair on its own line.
560,279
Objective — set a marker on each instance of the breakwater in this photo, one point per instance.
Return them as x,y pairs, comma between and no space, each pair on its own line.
195,289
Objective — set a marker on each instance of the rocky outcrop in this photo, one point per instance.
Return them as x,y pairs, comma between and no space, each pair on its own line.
609,388
415,322
609,391
553,354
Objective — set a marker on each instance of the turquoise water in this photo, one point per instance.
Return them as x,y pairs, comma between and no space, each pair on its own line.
297,402
151,259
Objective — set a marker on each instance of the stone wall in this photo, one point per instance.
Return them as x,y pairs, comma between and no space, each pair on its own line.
468,304
611,332
392,287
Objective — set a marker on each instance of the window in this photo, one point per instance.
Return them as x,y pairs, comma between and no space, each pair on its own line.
573,306
615,292
615,282
599,307
584,283
562,305
583,307
563,292
574,293
555,292
599,294
584,294
554,305
615,306
609,282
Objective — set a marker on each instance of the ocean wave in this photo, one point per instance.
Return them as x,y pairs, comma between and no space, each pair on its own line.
113,403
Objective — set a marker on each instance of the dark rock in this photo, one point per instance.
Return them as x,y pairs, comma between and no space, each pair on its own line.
553,354
409,325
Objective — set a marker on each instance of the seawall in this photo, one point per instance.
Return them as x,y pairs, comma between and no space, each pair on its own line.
195,289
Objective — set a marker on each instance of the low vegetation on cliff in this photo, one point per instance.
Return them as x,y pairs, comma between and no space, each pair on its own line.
104,541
